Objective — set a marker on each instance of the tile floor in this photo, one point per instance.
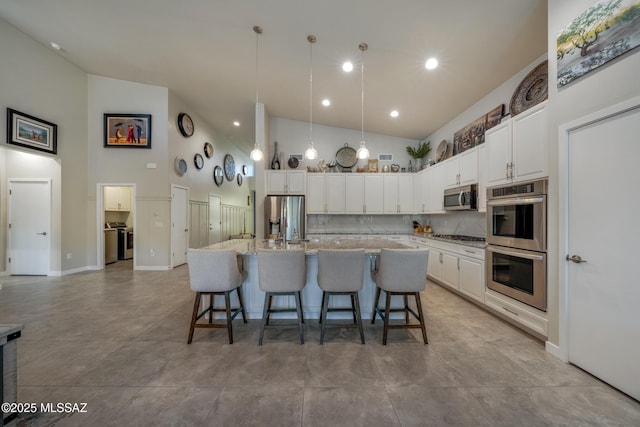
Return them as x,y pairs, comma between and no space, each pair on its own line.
116,339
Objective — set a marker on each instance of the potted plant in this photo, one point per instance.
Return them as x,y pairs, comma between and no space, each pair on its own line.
420,152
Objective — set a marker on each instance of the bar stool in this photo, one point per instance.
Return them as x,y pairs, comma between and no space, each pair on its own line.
215,272
281,272
401,272
341,272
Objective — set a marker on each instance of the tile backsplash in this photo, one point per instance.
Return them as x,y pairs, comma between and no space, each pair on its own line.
467,223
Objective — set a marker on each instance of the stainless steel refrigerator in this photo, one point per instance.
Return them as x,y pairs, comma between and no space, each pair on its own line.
285,217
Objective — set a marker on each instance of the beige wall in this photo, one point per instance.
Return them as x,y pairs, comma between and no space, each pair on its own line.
40,82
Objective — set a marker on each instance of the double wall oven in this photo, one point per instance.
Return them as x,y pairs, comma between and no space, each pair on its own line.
517,242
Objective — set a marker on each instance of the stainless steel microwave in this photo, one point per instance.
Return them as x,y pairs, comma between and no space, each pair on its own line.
463,198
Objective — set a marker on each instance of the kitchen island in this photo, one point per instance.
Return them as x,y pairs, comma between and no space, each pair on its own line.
311,294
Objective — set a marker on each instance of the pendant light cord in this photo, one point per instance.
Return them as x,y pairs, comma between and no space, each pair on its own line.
311,39
258,31
363,47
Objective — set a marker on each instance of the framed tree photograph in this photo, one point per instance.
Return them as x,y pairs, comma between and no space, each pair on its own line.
31,132
127,130
372,165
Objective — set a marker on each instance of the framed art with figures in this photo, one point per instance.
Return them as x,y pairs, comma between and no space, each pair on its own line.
30,132
127,130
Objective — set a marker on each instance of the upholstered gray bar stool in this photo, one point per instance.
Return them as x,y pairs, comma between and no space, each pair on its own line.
401,272
341,272
215,272
281,272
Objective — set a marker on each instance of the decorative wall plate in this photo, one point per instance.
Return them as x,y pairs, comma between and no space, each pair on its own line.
346,157
444,151
293,162
245,169
532,90
218,175
208,150
198,160
180,165
229,167
185,125
239,179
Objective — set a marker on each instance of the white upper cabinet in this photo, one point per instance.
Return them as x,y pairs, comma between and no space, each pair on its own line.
530,144
397,193
117,199
482,178
286,182
435,180
364,193
461,169
421,191
517,150
325,193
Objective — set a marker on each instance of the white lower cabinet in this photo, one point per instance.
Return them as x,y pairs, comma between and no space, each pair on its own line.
518,312
450,266
472,273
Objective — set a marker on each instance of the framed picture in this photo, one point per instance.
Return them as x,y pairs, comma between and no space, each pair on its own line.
30,132
127,130
372,165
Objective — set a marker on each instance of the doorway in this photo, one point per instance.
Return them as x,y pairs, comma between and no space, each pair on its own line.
179,225
600,319
116,219
29,227
215,219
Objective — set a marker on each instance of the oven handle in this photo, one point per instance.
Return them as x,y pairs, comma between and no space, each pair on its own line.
511,202
516,254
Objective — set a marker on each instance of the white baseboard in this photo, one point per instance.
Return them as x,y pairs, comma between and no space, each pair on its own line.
153,267
554,350
73,271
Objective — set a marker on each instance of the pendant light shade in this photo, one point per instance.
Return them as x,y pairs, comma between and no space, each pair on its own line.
257,154
311,153
363,152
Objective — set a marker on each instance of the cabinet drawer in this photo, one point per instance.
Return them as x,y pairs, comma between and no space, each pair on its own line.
519,314
471,252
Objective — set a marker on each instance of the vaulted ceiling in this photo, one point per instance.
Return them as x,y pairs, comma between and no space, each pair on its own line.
205,52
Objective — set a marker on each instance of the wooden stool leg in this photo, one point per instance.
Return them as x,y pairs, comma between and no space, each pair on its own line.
227,304
299,296
375,305
421,314
300,318
243,311
386,318
356,298
323,314
406,309
269,310
353,308
211,300
265,311
196,305
324,295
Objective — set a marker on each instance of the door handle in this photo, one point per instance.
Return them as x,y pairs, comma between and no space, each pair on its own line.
575,258
44,233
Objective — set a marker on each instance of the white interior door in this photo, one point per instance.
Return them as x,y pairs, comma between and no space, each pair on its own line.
29,227
604,230
215,219
179,225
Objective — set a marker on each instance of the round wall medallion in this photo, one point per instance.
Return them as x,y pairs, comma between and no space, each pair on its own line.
229,167
208,150
218,175
185,125
198,160
180,165
532,90
293,162
239,180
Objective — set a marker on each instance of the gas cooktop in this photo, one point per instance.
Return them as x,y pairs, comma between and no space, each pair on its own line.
459,237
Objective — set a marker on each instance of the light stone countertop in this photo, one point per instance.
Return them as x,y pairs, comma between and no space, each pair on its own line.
249,246
8,329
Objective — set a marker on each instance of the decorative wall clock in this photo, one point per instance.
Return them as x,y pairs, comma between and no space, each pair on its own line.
208,150
180,165
218,175
229,167
198,160
245,169
239,180
185,125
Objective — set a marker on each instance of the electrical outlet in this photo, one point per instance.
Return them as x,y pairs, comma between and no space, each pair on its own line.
152,252
68,255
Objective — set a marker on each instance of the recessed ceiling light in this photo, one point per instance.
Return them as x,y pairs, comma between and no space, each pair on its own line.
236,123
394,113
347,67
326,102
431,63
55,46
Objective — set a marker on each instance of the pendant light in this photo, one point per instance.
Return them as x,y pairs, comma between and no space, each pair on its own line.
363,152
257,154
311,153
